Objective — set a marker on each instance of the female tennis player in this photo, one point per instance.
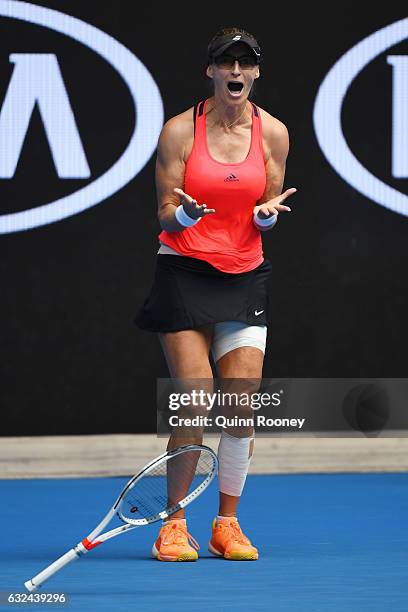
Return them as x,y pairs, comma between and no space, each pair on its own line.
219,176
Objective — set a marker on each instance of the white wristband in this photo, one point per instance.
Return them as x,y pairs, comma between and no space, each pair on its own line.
183,218
268,222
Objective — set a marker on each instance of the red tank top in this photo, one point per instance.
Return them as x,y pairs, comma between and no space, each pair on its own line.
227,239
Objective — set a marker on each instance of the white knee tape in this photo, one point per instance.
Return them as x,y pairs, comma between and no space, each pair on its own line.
234,457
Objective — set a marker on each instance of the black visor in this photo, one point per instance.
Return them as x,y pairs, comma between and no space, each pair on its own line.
220,45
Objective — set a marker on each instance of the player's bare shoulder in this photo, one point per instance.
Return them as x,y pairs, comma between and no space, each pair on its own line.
177,134
275,134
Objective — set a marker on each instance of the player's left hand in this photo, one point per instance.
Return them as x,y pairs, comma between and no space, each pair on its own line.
274,206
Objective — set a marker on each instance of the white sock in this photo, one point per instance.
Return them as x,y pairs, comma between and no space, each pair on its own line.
232,518
174,519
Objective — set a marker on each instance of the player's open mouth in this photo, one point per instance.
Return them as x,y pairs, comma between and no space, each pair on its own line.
235,88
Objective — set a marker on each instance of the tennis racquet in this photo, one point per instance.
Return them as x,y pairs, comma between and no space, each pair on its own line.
162,487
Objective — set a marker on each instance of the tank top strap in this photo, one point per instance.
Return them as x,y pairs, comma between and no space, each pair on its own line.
198,111
199,145
257,133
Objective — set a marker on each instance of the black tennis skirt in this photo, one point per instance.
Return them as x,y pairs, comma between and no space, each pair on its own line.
188,293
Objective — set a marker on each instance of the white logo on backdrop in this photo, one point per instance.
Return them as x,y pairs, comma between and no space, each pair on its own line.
28,88
328,108
37,80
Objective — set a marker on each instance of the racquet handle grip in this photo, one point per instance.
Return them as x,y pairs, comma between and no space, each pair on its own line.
39,579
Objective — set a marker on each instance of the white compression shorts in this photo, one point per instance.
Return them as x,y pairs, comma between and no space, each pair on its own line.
229,335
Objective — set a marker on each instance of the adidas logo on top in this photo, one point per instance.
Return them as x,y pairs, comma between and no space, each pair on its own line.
231,177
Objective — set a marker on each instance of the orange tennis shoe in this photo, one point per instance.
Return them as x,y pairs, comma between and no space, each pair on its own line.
229,542
173,543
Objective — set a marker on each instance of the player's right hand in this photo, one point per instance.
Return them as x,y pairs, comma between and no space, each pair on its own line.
191,208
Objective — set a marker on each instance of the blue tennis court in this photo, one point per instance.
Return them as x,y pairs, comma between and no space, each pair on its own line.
327,542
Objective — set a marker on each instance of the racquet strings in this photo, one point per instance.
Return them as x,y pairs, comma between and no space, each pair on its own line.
166,484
